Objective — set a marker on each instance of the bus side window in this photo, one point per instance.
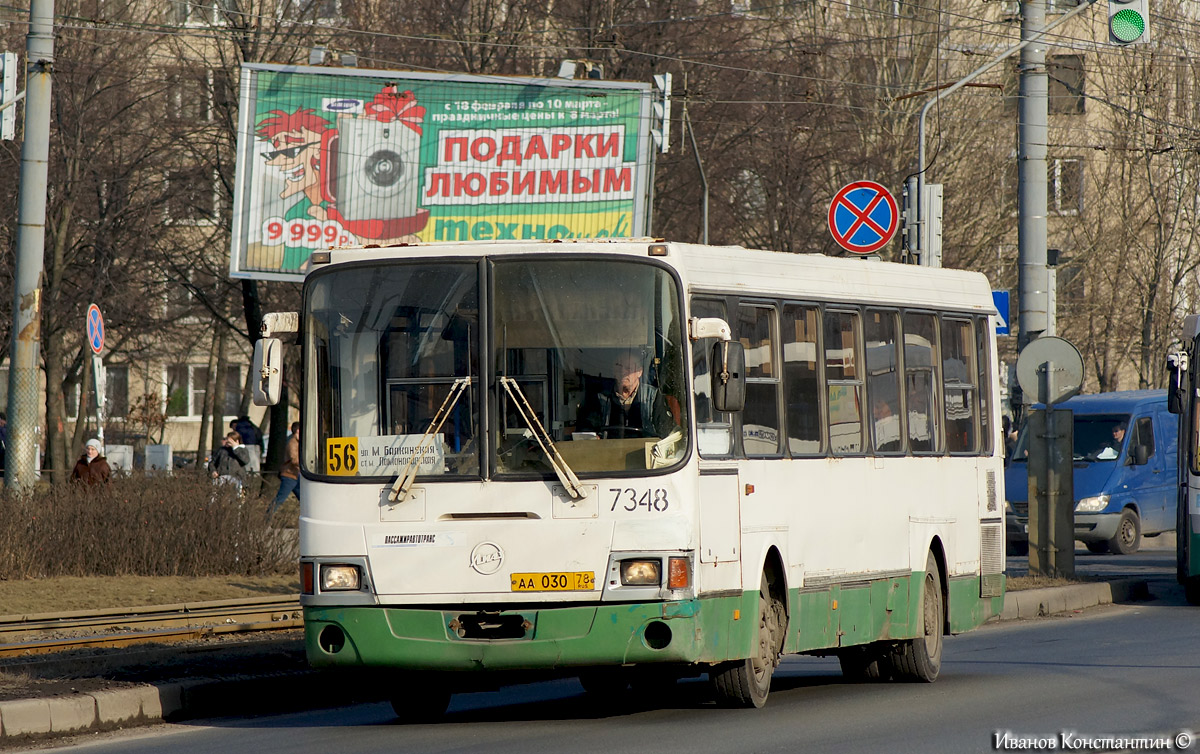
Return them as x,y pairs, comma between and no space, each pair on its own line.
883,381
714,430
843,379
958,386
983,356
802,379
760,420
920,382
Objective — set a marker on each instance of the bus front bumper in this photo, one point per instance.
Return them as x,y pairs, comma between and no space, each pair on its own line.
690,631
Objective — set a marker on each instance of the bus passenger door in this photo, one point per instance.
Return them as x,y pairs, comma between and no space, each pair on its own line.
720,526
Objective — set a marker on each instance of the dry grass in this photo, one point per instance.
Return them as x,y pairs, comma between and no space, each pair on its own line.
180,526
1019,583
54,595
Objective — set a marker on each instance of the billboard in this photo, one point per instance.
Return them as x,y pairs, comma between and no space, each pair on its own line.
334,156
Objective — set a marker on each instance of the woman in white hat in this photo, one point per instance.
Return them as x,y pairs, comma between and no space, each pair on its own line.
91,468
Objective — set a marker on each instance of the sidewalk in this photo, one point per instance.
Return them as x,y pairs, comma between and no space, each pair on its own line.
33,719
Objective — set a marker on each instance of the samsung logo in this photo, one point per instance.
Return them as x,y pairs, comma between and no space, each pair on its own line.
341,105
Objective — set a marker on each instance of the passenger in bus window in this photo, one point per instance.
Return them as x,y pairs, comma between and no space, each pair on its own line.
887,426
627,406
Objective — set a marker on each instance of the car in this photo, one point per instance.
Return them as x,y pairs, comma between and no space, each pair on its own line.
1125,447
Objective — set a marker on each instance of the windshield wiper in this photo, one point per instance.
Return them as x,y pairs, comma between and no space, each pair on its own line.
408,474
565,475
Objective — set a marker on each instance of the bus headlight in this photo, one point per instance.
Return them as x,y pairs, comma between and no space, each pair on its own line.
340,578
641,572
1092,504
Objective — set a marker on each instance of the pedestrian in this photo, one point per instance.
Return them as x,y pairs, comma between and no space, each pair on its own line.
289,473
249,432
228,464
91,468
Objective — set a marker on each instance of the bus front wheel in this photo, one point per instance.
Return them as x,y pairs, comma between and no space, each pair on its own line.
920,659
746,683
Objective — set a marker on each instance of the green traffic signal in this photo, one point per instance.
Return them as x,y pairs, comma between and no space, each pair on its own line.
1128,21
1127,25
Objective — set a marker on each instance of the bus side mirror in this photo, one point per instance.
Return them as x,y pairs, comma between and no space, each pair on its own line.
728,376
1177,365
268,371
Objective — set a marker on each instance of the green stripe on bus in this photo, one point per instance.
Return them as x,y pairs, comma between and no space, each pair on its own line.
700,630
708,630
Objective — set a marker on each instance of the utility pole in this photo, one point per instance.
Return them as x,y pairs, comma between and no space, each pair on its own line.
19,467
1034,280
916,185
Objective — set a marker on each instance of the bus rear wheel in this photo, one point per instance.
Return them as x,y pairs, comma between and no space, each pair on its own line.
866,663
920,659
746,683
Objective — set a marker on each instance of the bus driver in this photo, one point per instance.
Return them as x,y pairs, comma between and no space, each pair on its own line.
627,408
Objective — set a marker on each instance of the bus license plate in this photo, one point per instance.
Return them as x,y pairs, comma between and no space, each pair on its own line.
566,581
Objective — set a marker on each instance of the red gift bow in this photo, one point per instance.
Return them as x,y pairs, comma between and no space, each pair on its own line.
389,105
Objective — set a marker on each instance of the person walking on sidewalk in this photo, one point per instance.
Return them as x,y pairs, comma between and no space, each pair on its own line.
228,465
289,473
91,468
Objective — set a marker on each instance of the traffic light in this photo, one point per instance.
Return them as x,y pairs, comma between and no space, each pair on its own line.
8,91
1128,21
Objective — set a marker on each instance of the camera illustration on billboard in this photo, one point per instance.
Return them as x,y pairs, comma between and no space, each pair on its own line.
337,157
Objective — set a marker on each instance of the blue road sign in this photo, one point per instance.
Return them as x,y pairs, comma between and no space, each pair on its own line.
1000,299
95,329
863,217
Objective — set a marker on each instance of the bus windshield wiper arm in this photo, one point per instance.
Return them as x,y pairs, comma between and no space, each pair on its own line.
565,475
408,474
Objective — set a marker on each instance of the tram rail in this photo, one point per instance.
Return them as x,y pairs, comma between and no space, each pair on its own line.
45,633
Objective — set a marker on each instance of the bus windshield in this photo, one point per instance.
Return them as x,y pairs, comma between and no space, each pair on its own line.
596,346
586,366
386,344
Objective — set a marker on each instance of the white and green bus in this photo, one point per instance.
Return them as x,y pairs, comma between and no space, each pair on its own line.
637,461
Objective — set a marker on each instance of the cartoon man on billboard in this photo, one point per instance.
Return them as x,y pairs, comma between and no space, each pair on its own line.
296,139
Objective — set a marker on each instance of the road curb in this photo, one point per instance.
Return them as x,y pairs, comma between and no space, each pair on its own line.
1037,603
306,689
153,703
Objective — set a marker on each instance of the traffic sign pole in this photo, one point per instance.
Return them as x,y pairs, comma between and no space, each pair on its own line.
95,338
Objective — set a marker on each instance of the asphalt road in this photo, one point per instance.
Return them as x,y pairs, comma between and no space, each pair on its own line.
1155,559
1121,670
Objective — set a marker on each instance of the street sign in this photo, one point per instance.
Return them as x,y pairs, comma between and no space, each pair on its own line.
863,217
1051,369
1000,300
95,329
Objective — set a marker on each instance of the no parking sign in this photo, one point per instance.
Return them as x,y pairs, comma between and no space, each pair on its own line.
95,329
863,217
